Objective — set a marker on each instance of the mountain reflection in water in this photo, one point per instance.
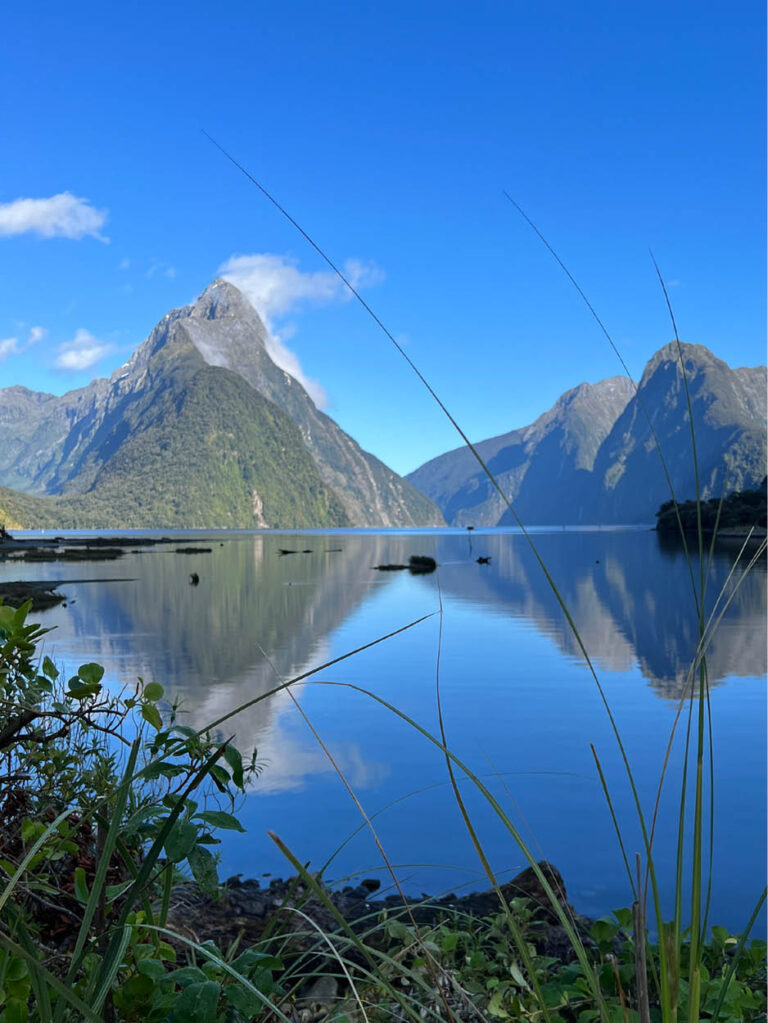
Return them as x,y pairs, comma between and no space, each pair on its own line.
519,703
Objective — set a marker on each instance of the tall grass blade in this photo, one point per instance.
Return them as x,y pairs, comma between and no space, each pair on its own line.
312,671
562,916
337,956
517,935
100,877
616,828
736,957
640,938
33,850
322,896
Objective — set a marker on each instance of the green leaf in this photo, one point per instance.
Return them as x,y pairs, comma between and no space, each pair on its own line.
91,673
180,841
16,970
220,777
235,761
202,863
81,886
15,1011
603,930
151,968
153,692
114,891
6,617
151,715
496,1005
220,819
197,1003
49,669
79,692
30,830
187,975
246,1003
624,916
162,768
185,730
166,952
251,957
516,974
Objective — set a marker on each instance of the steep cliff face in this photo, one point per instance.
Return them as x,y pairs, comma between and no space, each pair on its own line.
593,458
552,456
138,428
227,331
729,415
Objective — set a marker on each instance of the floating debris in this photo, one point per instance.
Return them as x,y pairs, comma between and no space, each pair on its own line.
193,550
484,561
418,564
194,579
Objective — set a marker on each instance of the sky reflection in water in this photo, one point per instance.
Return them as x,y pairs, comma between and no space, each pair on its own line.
520,705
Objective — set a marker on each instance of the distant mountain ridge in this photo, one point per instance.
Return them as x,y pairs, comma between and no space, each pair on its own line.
592,457
198,428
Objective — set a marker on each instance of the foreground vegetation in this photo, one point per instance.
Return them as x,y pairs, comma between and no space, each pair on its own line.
107,806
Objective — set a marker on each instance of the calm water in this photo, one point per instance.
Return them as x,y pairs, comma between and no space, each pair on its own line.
519,703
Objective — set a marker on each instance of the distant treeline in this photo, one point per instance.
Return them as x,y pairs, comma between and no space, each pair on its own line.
742,508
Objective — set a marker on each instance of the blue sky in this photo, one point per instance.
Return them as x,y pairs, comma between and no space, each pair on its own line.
390,131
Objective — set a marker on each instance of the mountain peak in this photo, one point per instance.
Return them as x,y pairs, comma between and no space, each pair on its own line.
221,299
671,353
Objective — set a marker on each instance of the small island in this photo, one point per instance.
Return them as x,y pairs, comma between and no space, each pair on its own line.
740,511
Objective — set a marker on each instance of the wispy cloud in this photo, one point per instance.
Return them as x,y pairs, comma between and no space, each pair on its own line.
9,346
61,216
82,352
162,268
275,286
13,345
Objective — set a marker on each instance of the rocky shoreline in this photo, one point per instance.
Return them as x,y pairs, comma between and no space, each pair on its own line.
245,911
293,919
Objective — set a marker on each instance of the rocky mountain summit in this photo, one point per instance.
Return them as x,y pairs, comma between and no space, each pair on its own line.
199,428
594,456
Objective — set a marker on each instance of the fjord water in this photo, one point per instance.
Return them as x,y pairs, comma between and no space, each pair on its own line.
519,703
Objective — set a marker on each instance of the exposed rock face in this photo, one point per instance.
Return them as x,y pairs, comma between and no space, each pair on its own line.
593,457
227,331
87,441
534,465
729,413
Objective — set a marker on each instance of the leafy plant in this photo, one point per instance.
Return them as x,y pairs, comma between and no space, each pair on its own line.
98,818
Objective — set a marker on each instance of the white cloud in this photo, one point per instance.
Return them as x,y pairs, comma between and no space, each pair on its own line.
13,346
274,286
62,216
9,346
124,264
82,352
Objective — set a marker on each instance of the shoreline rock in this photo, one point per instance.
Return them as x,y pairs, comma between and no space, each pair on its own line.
244,911
42,594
